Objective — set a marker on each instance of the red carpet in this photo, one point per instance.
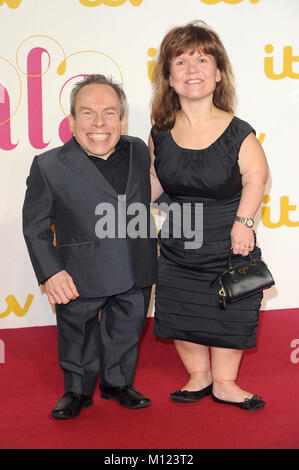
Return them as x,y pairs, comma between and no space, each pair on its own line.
31,383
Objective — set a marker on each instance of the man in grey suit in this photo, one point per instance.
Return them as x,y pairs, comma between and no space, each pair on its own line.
85,272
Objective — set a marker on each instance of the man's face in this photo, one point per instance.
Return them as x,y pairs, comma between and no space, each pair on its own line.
97,125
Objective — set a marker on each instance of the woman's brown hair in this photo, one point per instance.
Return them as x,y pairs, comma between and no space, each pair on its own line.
191,37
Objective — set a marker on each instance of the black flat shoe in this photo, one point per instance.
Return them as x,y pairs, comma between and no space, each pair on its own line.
185,396
126,396
250,404
70,405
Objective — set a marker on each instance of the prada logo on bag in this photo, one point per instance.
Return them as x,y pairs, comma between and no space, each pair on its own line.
243,271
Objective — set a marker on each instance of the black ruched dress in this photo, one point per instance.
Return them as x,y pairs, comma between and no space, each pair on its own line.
186,306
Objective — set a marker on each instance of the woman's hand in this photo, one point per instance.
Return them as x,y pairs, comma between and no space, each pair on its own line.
242,239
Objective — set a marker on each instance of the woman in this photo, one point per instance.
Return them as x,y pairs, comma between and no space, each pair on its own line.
202,153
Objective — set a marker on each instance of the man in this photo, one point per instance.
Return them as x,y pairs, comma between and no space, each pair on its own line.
84,274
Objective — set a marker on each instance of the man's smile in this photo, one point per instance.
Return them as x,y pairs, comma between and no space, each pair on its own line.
98,137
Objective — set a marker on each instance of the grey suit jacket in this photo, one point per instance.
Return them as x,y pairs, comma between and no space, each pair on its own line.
64,188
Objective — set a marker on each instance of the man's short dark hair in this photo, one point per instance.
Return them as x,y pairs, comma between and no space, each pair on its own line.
100,80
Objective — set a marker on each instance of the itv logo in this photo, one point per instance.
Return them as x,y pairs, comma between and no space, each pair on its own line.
288,64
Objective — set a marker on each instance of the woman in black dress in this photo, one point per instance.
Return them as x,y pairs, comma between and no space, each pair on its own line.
202,153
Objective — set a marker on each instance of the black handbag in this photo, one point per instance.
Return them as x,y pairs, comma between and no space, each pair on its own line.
242,280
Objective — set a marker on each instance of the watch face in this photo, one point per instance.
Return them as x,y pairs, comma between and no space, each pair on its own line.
249,223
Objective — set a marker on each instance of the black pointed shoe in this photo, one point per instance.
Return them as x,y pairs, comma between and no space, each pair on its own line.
184,396
126,396
70,405
250,404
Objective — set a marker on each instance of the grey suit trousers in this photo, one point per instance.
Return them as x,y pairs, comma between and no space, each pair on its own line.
88,348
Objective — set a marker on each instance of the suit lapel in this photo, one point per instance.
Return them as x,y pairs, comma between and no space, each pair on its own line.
74,157
138,154
131,166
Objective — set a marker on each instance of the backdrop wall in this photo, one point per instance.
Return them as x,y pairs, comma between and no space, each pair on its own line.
46,44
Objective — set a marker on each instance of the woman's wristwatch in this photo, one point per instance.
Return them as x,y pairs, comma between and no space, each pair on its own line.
245,220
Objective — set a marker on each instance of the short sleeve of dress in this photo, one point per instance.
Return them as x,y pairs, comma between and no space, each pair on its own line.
158,137
241,130
156,134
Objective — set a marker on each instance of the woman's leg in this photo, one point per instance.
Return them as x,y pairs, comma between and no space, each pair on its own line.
196,359
225,367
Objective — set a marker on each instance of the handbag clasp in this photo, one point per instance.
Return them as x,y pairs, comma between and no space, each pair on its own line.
222,300
222,292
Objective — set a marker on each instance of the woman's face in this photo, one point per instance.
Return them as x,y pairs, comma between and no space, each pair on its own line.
194,76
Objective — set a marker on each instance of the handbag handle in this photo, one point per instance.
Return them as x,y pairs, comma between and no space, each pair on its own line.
230,266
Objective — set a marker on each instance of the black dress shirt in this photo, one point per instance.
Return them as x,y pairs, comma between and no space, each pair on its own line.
115,168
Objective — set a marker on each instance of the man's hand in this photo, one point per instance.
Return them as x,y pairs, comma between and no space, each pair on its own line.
60,288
